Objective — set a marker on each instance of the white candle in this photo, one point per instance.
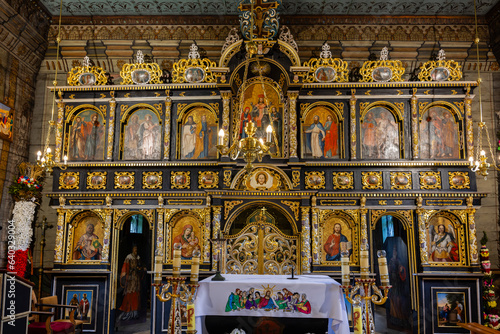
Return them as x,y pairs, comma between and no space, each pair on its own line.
221,137
357,318
345,269
382,267
191,326
364,264
177,261
195,267
158,268
269,132
65,158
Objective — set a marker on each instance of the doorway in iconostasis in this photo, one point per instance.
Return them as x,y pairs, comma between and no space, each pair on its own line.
262,239
390,235
133,281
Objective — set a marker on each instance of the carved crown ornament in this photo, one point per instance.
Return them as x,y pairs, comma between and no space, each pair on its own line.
86,75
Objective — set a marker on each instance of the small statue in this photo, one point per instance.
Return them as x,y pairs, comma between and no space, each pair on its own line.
209,200
419,201
109,201
313,201
362,201
166,76
470,200
109,79
62,201
160,201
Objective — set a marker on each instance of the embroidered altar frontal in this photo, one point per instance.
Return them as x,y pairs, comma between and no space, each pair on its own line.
307,296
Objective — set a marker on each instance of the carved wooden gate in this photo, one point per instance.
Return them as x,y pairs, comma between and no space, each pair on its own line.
261,248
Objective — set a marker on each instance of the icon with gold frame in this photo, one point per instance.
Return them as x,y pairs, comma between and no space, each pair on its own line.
343,180
459,180
180,180
371,180
382,70
152,180
440,69
315,180
87,75
400,180
430,180
69,180
124,180
208,179
96,180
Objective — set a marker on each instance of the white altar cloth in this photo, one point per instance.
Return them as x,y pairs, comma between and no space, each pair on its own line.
322,293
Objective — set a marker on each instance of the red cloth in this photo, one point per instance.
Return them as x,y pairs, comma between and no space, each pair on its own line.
331,137
58,327
130,302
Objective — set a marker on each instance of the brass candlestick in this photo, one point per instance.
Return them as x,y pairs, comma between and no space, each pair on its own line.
179,290
44,226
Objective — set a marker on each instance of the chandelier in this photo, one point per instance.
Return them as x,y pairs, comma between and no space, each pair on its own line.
248,147
45,158
479,164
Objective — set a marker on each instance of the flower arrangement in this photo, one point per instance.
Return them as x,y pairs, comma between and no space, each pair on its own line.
27,193
28,186
490,312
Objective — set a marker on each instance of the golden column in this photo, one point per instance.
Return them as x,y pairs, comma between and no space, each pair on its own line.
111,126
414,123
226,109
352,103
293,123
166,138
59,128
305,241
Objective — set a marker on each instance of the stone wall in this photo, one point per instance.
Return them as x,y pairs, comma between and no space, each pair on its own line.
23,42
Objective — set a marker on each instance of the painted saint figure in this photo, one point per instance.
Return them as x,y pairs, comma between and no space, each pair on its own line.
78,138
88,246
369,126
315,137
246,117
188,240
130,281
189,138
204,135
92,138
148,137
84,307
443,246
332,244
331,137
131,150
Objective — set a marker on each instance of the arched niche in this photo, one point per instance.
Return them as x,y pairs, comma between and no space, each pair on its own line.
197,132
85,133
445,236
382,130
141,132
441,131
85,238
323,131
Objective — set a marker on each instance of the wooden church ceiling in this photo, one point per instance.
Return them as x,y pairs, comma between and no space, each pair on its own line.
289,7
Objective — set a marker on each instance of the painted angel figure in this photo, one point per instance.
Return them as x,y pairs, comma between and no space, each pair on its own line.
443,245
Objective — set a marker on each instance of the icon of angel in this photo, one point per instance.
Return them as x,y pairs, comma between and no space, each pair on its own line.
443,243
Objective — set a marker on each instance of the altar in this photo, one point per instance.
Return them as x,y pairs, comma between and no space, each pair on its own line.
307,296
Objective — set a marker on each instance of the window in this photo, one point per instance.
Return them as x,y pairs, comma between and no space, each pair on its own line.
136,224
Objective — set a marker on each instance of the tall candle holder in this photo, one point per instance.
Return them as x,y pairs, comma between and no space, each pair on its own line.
218,244
176,289
365,291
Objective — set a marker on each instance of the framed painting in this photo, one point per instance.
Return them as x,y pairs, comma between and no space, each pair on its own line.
180,180
459,180
444,236
124,180
84,299
439,135
314,180
325,74
400,180
87,238
343,180
262,179
379,135
69,180
430,180
86,136
187,232
449,303
208,179
152,180
141,136
198,135
321,130
6,122
371,180
96,180
263,106
336,237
